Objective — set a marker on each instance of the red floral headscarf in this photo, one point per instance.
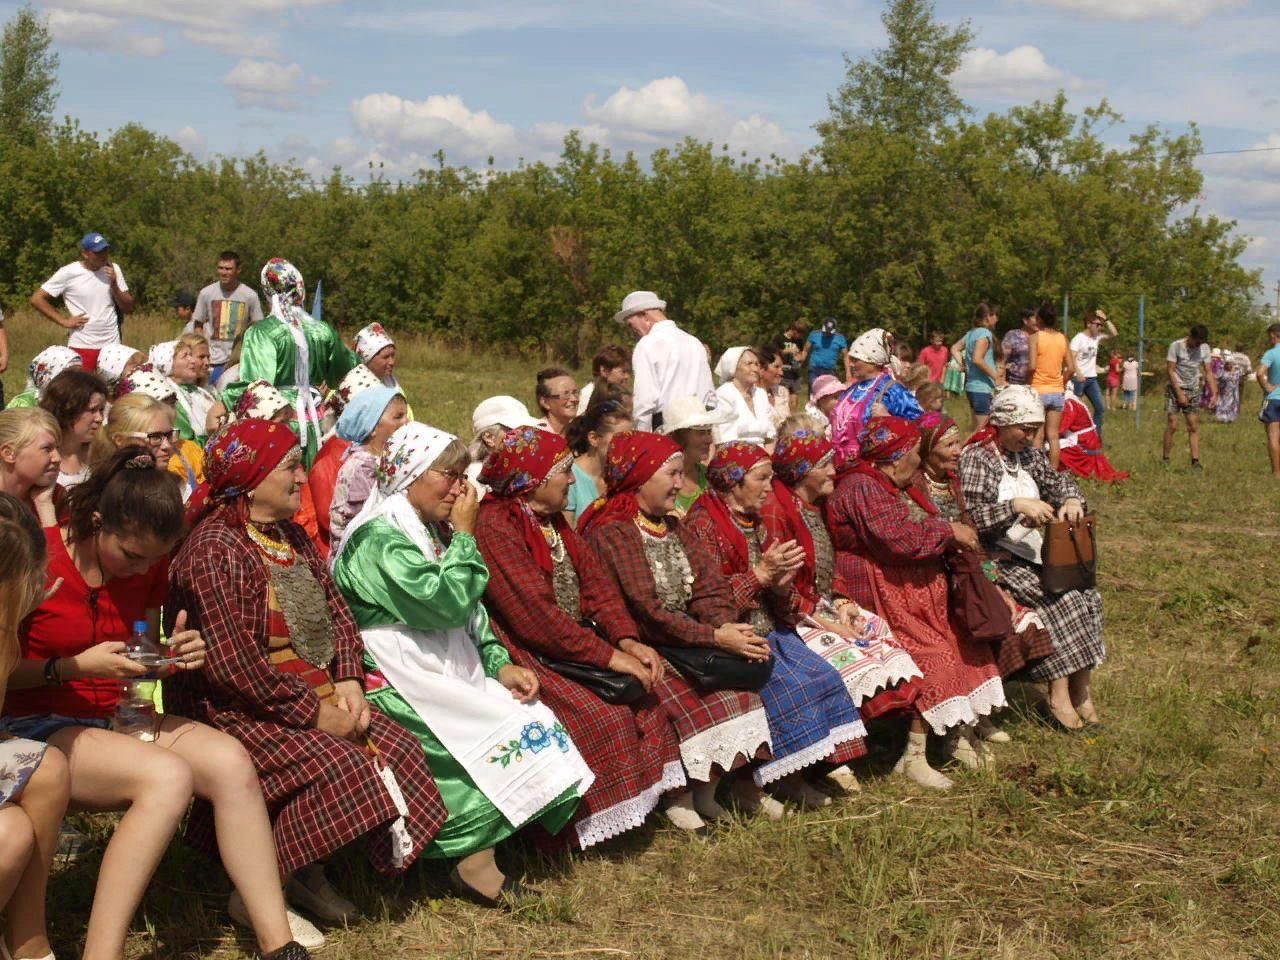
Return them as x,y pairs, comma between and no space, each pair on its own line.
236,461
797,454
887,439
933,427
732,462
522,463
634,457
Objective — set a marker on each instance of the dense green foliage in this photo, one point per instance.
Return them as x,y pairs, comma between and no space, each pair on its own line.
906,213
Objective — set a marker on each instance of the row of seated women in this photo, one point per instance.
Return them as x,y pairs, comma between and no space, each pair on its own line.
460,671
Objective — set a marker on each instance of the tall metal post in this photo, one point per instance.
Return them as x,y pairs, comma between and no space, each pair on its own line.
1142,336
1066,312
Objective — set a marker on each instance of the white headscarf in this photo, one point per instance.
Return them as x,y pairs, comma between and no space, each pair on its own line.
371,341
47,364
160,356
1016,404
875,346
154,385
409,452
112,360
727,365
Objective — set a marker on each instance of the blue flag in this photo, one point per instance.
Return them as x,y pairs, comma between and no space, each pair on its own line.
317,302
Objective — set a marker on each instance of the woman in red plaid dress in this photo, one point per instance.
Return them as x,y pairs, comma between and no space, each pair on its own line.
878,513
675,593
548,596
284,675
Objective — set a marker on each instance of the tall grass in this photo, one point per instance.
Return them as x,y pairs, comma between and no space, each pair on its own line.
1156,837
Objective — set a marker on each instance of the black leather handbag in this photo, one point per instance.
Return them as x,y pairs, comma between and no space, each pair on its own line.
611,686
709,669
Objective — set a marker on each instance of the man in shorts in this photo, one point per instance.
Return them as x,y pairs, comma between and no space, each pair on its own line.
1187,361
1269,380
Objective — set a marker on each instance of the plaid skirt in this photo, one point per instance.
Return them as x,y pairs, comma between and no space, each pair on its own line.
1073,619
631,748
1029,643
811,714
718,731
323,792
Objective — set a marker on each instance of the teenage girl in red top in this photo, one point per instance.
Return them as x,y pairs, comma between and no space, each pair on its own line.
108,565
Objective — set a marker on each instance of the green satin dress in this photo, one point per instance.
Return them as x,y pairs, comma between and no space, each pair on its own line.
23,401
387,579
269,353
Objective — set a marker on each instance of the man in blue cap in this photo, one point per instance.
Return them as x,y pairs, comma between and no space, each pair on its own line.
95,295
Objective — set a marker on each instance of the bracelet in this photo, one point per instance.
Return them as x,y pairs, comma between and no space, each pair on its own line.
52,673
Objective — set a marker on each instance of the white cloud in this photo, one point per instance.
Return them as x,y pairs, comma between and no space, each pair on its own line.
1021,72
438,122
235,27
1186,12
658,110
261,83
94,31
193,141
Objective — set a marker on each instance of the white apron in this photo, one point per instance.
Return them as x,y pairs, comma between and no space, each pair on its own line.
1024,542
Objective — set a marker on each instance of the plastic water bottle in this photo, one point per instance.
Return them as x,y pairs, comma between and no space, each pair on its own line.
136,712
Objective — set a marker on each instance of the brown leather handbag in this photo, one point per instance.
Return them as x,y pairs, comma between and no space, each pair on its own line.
1070,556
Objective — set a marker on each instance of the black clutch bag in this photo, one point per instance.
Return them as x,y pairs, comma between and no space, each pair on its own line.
709,669
609,685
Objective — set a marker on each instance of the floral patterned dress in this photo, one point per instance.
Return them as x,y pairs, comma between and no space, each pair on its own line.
19,759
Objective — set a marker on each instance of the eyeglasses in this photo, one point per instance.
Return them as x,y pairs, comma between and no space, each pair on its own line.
155,438
455,477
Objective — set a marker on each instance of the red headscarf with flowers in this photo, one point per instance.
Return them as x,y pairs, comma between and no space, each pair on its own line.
793,458
888,440
634,457
235,462
520,464
728,468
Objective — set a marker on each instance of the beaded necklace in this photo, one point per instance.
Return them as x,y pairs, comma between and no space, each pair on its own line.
277,551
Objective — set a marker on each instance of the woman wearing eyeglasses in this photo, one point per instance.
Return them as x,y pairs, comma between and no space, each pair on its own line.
139,419
557,396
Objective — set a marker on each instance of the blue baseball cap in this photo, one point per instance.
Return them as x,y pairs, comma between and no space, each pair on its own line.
95,242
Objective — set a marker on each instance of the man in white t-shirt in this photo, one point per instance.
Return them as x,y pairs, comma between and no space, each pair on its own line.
667,363
1085,347
95,294
1186,364
224,310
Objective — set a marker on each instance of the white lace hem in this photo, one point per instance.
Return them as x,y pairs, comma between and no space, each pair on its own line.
783,766
631,813
866,683
966,709
721,744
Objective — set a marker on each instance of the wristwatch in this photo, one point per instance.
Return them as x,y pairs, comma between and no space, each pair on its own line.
52,673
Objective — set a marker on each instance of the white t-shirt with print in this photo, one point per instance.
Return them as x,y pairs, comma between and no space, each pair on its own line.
1085,347
88,292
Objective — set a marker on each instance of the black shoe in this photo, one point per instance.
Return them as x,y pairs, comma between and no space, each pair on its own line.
292,950
512,891
1196,465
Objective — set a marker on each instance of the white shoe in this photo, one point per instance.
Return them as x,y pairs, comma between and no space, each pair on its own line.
751,799
310,890
989,732
683,816
4,952
914,765
844,778
794,789
300,928
960,748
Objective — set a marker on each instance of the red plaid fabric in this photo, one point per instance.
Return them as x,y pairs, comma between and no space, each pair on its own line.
620,551
628,747
322,792
785,605
779,525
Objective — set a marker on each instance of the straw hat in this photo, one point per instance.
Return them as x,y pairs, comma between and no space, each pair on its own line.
685,413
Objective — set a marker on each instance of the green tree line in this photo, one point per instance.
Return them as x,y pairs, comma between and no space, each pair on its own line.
907,212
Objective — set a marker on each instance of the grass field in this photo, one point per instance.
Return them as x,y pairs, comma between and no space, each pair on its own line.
1157,837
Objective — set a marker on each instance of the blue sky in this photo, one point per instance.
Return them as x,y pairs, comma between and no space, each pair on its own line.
327,82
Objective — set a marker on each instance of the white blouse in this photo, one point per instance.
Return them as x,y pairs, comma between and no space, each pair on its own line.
751,421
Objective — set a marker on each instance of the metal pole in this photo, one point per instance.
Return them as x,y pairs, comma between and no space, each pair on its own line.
1142,334
1066,311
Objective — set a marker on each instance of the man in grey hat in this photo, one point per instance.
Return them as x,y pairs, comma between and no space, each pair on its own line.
667,362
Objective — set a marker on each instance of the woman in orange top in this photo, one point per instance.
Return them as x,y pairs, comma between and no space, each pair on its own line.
1052,364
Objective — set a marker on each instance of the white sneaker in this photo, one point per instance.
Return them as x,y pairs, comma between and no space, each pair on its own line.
310,890
300,928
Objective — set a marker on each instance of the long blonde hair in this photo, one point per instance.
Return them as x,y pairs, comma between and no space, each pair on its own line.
20,427
132,413
22,565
